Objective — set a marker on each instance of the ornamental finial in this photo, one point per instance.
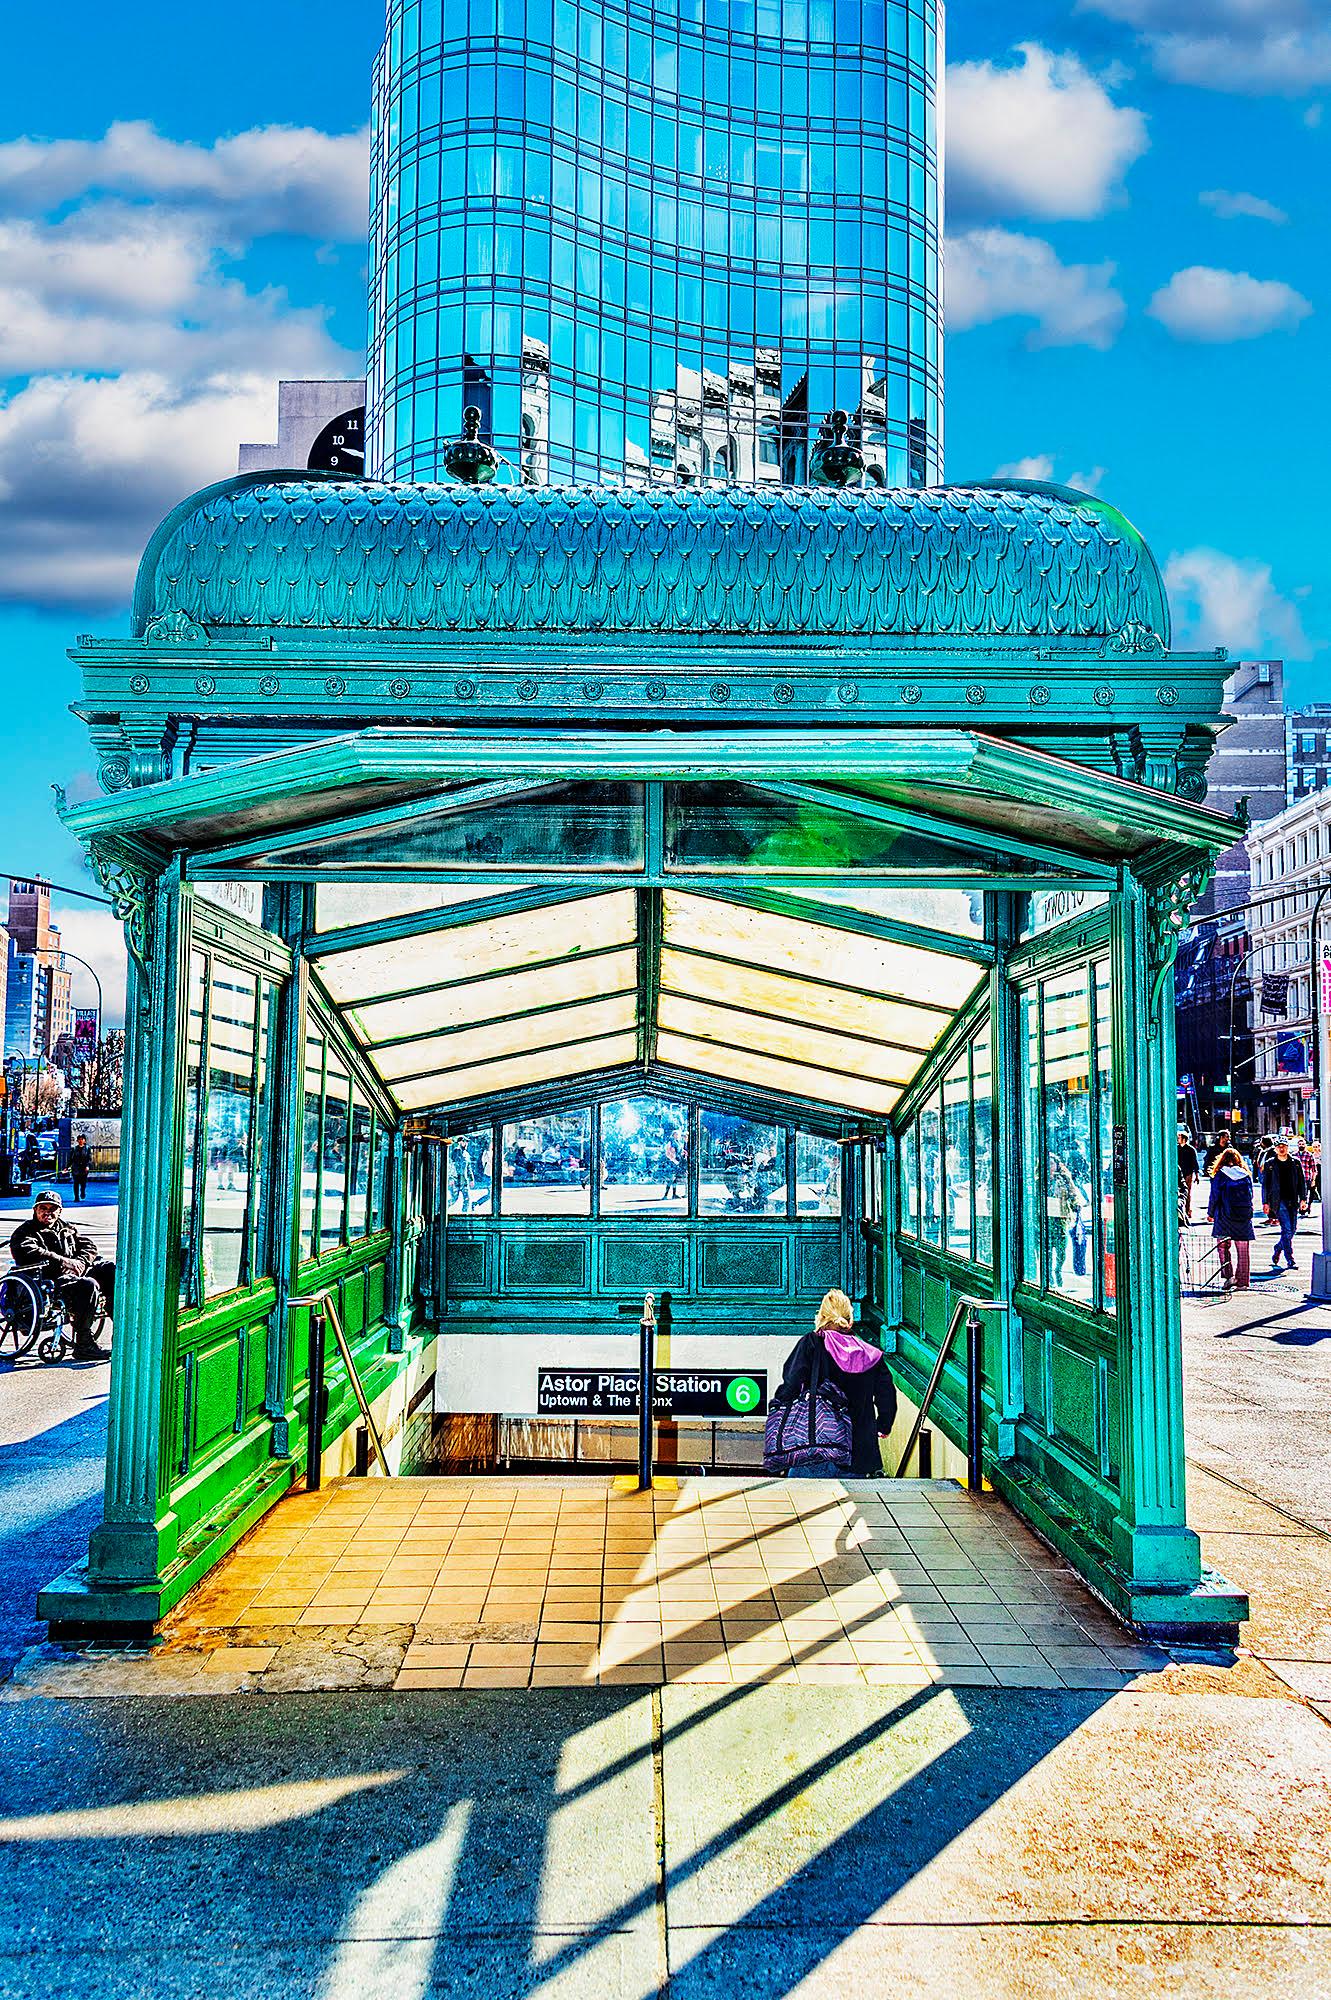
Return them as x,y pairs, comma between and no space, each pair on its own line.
469,459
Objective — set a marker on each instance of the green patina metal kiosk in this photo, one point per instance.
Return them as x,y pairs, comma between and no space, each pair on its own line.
470,845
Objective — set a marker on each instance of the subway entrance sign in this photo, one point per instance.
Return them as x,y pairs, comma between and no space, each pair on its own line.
676,1392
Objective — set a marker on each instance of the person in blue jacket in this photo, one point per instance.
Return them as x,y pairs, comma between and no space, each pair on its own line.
1230,1212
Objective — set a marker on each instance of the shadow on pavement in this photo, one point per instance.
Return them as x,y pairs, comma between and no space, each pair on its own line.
504,1844
50,1501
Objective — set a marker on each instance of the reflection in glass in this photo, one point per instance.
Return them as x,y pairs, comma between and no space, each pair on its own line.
741,1166
644,1157
358,1185
193,1078
636,252
958,1192
1068,1138
931,1173
547,1165
1104,1085
227,1126
470,1173
383,1141
311,1135
910,1180
333,1186
734,826
982,1098
576,826
1032,1147
817,1175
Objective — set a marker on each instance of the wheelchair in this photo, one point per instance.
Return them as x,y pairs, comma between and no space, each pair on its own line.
33,1314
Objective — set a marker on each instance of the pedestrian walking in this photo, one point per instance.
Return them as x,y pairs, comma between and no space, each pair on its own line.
1189,1170
1311,1163
1282,1190
833,1361
80,1164
1230,1214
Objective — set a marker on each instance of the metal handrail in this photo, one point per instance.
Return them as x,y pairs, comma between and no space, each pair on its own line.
320,1305
969,1308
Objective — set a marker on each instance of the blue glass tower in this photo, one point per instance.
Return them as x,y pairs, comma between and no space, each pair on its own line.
652,243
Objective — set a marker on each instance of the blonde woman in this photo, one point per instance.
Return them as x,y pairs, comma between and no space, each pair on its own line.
834,1353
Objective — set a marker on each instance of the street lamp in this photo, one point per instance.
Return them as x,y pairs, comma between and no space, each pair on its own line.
97,1042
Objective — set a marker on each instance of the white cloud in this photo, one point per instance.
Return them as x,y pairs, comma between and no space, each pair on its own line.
1042,138
273,180
110,288
1207,305
1221,600
997,274
89,467
94,934
136,356
1040,467
1250,47
1232,207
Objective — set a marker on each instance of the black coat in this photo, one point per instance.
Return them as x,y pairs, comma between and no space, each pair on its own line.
61,1250
872,1397
1283,1184
1230,1207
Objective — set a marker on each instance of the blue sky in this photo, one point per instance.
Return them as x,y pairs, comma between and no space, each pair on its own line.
1138,278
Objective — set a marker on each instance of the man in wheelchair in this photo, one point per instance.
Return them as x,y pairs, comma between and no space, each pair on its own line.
74,1265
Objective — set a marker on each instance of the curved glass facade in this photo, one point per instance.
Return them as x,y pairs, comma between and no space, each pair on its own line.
652,243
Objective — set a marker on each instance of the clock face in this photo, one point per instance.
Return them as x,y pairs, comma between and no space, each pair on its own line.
340,446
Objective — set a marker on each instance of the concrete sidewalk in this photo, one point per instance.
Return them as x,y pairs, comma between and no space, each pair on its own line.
753,1841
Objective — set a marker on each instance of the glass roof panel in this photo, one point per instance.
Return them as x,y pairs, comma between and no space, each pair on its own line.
841,958
554,1027
495,944
508,993
956,912
786,998
340,904
765,1073
569,828
740,826
516,1073
816,1048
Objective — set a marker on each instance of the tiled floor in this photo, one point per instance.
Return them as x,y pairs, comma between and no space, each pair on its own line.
511,1583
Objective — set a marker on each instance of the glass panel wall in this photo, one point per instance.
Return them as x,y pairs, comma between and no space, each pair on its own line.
741,1166
644,1157
470,1173
547,1165
1032,1157
1104,1099
1068,1145
358,1183
198,977
311,1141
333,1179
958,1192
228,1130
1067,1136
910,1180
345,1149
946,1158
931,1172
982,1147
817,1175
227,1120
635,1156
